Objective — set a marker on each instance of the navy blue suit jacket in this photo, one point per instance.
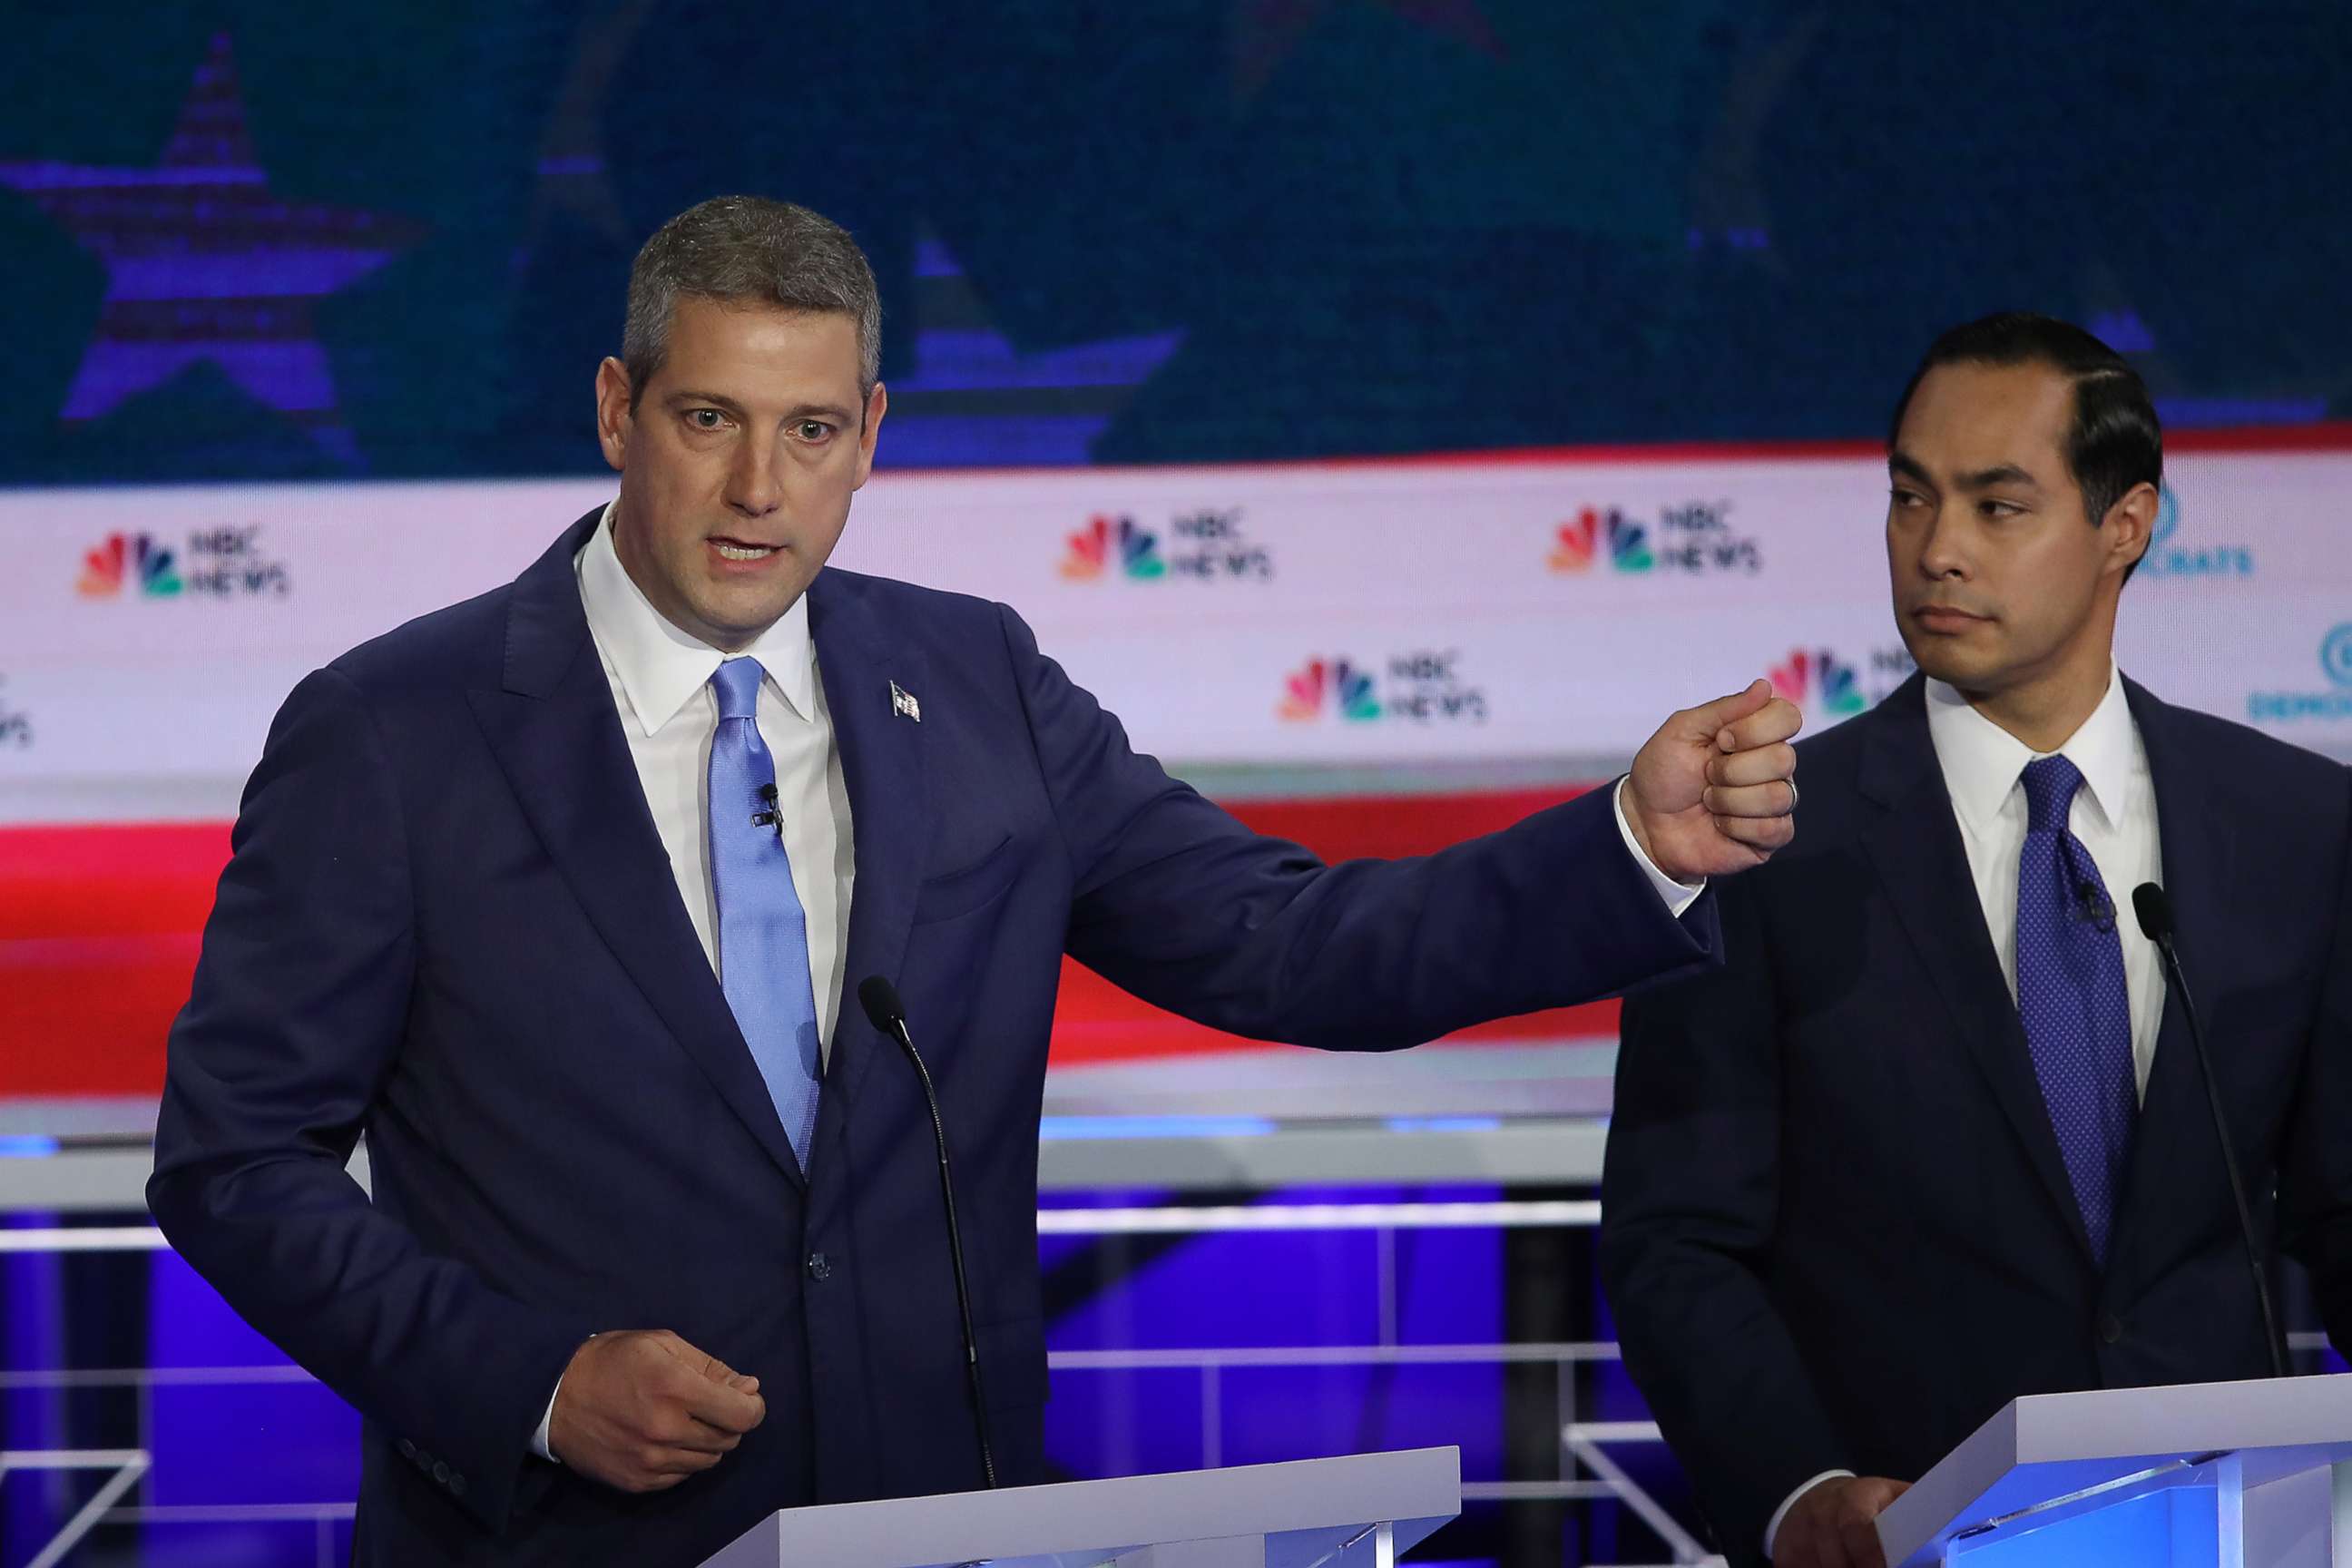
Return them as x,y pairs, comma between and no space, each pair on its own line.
448,923
1837,1233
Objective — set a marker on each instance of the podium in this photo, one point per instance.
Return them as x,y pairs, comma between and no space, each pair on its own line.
2245,1475
1354,1512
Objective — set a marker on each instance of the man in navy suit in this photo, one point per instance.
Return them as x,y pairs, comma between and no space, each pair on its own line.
1934,1137
556,894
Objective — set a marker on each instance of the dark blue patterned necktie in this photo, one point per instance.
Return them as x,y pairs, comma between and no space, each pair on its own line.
2071,997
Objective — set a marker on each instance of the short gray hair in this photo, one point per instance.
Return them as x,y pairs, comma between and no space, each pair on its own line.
750,250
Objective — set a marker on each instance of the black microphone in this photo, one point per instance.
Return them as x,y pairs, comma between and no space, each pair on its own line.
2155,912
880,1000
772,818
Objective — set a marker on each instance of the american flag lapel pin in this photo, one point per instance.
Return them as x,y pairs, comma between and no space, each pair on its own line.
903,703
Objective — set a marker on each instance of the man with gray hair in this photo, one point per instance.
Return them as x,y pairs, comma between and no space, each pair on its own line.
557,894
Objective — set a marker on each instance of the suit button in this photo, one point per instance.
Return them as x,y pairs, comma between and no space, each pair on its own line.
457,1484
407,1449
2111,1329
820,1267
441,1473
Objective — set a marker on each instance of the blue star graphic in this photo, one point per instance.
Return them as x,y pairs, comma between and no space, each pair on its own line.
203,263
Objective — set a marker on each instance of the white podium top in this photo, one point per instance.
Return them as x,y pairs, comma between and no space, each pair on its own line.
1306,1510
2075,1452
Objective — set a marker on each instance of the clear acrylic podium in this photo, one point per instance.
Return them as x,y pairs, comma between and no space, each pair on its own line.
2244,1475
1354,1512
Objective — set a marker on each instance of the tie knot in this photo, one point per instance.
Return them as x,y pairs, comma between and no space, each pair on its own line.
2049,786
737,685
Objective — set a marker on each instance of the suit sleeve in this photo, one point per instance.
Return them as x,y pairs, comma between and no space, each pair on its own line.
294,1022
1689,1193
1178,903
2315,1164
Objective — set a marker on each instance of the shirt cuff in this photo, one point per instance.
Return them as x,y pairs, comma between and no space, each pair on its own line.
539,1438
1772,1529
1678,897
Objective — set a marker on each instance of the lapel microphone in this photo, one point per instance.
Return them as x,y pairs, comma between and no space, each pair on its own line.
2155,912
772,818
2093,908
880,1000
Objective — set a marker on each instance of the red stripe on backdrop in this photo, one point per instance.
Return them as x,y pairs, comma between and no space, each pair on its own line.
2320,436
99,926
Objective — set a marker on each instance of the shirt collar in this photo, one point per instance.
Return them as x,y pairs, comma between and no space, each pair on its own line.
660,667
1981,761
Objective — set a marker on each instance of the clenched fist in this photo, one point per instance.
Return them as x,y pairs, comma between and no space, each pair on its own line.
640,1410
1713,792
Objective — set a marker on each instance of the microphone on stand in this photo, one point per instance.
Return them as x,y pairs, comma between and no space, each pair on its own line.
2155,912
880,1000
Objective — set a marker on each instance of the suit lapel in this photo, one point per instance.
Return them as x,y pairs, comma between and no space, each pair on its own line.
1914,840
556,732
882,764
2196,843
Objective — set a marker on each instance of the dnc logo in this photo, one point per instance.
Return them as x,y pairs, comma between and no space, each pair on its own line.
2165,558
1337,687
1090,550
2336,655
107,568
1580,543
2290,707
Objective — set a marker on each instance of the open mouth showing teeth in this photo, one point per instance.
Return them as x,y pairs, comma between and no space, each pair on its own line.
742,551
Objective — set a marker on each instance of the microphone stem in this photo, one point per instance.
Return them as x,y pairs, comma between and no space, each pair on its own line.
955,1251
2271,1344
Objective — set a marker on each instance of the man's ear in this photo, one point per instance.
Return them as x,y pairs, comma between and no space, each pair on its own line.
878,404
2130,525
613,415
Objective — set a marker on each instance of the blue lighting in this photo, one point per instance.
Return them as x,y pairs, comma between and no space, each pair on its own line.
26,1146
1053,1127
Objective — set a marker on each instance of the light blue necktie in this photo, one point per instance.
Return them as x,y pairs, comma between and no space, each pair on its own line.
2072,999
763,956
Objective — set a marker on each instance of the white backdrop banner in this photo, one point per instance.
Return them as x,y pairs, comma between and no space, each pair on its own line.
1457,610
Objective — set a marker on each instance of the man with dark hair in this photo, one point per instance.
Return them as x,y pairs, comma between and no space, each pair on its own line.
557,894
1933,1137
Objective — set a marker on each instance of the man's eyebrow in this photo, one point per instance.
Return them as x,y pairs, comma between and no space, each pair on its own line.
685,395
1998,474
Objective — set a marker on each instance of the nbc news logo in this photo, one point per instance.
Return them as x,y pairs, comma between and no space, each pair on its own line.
1580,543
1093,548
124,559
1335,686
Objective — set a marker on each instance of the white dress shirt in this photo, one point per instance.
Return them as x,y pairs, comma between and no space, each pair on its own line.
2115,816
661,685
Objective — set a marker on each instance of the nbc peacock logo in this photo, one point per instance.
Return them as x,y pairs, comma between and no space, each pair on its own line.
105,570
1819,680
1093,548
1580,541
1334,687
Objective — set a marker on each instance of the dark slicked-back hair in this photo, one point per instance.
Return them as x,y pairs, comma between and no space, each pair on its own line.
2114,442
